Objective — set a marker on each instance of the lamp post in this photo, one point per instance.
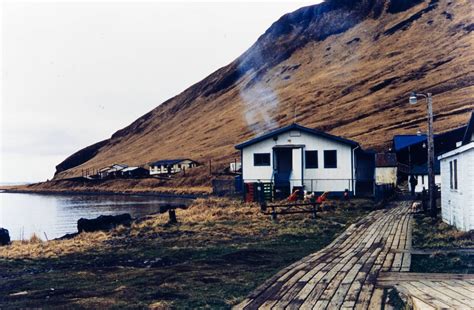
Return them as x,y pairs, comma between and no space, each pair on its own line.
431,177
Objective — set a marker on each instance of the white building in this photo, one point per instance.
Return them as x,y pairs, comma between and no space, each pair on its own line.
421,176
457,174
386,168
110,171
171,166
297,156
235,167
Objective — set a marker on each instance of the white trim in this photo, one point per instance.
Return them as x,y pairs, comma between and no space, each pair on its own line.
457,151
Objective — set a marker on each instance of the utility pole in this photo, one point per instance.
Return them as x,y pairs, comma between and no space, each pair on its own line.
430,161
431,175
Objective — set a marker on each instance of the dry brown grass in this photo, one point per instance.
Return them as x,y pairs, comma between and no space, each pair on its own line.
429,233
180,185
206,222
35,239
37,248
219,251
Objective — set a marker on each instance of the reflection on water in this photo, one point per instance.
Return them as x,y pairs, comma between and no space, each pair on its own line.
25,214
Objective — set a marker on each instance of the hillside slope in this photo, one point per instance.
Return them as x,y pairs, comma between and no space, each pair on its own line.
345,66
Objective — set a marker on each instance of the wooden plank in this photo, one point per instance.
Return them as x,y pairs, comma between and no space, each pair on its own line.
463,287
435,294
418,304
406,260
444,289
411,291
397,262
415,276
406,263
413,251
376,299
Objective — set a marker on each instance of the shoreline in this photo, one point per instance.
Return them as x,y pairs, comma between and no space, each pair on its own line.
104,193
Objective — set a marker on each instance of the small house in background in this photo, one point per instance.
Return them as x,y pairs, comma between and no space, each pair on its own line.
297,157
135,172
457,177
111,171
171,166
103,172
235,167
412,155
386,168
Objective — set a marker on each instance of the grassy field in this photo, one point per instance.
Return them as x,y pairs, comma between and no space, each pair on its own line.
218,253
435,234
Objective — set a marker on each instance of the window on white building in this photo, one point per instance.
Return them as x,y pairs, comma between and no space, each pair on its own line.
311,159
455,168
453,174
261,159
330,159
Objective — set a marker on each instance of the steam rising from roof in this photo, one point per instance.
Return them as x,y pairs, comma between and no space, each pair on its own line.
259,98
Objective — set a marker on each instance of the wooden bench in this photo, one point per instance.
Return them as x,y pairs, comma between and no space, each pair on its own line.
290,208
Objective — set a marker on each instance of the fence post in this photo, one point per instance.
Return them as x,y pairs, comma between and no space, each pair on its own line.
172,216
314,211
274,214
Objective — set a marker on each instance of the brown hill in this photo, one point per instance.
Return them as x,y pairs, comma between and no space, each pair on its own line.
345,66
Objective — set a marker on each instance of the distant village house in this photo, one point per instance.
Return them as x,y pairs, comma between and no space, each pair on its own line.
111,171
171,166
135,172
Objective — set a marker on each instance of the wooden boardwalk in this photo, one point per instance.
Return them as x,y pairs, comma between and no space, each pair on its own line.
343,275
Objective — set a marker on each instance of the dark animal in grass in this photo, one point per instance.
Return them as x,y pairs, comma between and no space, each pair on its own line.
103,222
4,237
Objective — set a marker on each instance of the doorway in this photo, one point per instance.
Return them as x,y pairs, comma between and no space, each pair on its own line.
283,167
284,160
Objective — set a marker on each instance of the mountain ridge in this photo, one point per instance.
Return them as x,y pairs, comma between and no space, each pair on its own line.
314,60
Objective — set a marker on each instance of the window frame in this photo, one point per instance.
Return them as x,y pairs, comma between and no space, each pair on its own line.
315,152
325,157
260,164
455,175
451,183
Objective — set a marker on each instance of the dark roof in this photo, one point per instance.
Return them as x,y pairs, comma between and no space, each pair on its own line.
403,141
445,141
294,127
469,130
166,162
386,160
133,169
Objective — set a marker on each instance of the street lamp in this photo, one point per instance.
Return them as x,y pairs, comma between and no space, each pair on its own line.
431,177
